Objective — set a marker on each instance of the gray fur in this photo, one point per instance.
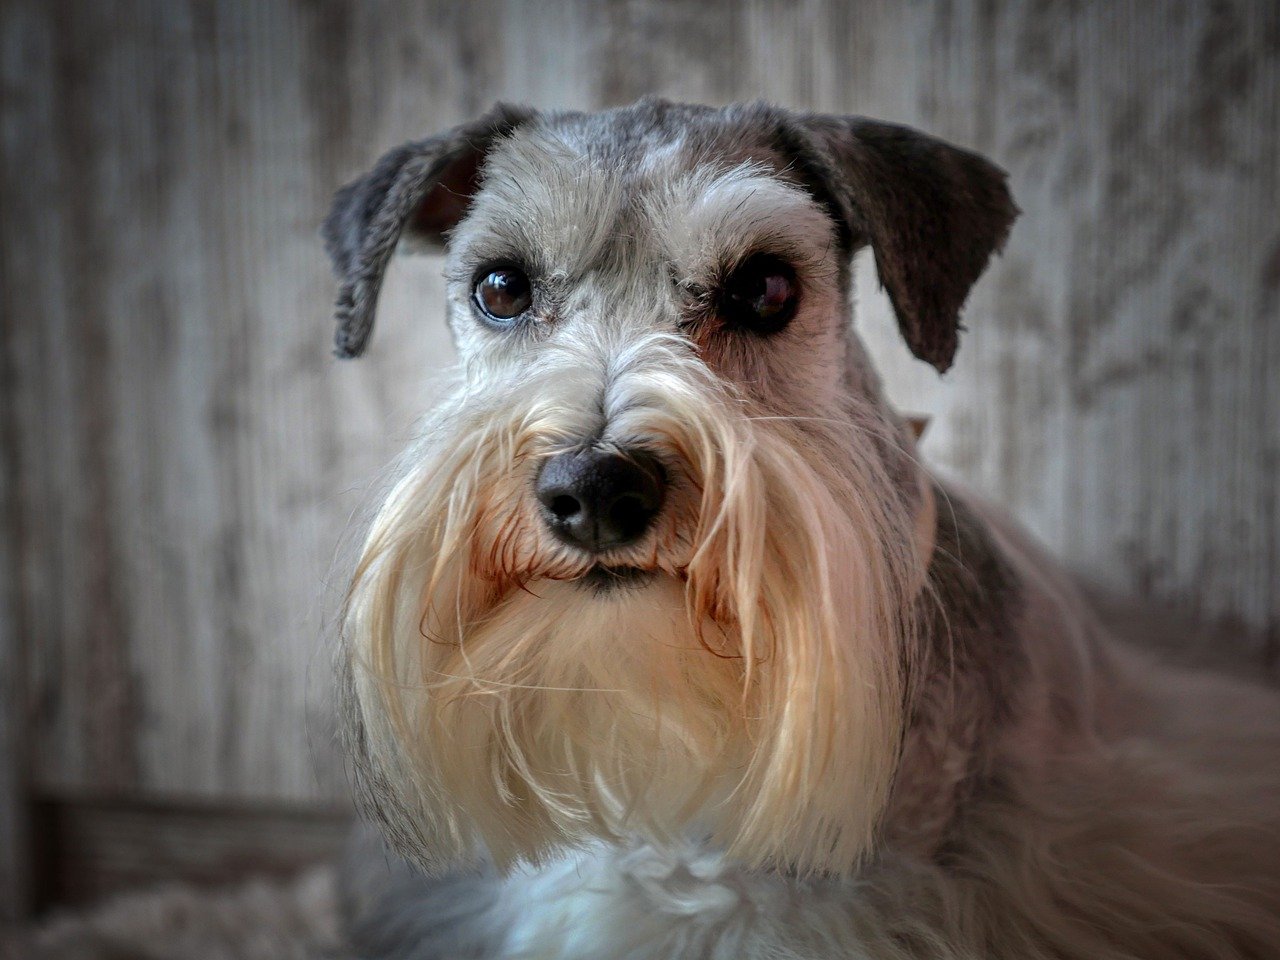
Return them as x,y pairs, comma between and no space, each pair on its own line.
392,911
932,212
370,214
1036,792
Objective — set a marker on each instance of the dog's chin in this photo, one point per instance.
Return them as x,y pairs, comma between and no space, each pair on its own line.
606,580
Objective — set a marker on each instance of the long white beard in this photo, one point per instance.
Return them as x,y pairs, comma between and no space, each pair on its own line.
754,686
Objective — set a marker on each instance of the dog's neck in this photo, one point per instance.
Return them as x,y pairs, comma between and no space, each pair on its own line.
962,680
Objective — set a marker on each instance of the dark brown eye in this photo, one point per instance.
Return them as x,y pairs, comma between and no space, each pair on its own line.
503,294
760,295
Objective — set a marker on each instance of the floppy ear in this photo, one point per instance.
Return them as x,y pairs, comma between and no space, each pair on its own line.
421,189
933,214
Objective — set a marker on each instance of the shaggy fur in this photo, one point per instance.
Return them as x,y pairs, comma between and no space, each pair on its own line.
833,709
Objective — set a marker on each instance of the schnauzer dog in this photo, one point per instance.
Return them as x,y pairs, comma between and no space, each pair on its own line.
664,643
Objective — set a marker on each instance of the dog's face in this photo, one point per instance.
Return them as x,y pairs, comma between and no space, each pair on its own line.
654,566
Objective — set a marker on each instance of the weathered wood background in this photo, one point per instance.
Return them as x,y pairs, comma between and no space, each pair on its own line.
181,454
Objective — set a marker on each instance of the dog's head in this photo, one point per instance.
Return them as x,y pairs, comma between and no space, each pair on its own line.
654,566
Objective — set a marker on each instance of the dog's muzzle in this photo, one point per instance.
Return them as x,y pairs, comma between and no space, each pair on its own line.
598,500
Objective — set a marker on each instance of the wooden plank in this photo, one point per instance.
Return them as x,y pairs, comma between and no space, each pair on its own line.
15,860
93,849
21,47
187,454
187,442
15,893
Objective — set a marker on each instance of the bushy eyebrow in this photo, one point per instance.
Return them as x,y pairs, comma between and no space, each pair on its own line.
552,210
543,204
711,220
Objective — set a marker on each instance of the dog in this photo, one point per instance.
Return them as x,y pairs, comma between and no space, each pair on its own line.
664,643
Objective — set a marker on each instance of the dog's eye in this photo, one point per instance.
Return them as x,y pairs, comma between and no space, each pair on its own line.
503,294
760,295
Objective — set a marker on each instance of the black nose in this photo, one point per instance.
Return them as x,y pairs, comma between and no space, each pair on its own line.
597,500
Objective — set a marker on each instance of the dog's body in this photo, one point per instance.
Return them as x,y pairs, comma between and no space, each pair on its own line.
664,645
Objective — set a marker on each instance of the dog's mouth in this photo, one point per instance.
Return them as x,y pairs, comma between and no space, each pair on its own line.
608,579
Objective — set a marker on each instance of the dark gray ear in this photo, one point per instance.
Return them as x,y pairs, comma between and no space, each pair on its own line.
422,189
933,214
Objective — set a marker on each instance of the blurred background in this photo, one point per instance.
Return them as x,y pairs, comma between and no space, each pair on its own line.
181,454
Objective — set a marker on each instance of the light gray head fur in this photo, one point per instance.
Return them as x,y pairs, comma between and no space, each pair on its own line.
796,525
933,213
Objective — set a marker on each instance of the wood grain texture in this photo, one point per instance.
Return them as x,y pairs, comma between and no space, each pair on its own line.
185,455
96,848
17,114
15,860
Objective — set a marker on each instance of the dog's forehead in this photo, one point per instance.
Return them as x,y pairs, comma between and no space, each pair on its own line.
634,139
678,182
